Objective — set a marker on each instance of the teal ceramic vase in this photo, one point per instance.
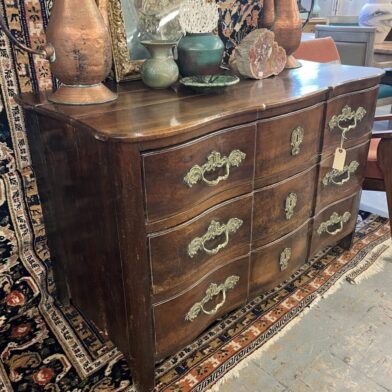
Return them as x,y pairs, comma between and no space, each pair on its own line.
200,54
160,71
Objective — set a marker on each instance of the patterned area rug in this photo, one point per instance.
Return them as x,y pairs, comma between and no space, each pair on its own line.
44,347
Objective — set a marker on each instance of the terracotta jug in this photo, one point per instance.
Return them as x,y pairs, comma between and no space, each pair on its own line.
78,47
268,17
288,29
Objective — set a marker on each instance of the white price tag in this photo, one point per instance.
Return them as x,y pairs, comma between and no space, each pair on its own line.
340,159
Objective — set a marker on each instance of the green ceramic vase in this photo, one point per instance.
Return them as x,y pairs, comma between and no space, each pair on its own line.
160,71
200,54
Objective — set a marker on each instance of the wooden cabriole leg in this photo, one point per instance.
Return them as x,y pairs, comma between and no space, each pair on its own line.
384,158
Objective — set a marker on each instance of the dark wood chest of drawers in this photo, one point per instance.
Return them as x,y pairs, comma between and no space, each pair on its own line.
167,209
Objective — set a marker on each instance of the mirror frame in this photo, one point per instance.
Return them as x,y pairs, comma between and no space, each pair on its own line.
125,68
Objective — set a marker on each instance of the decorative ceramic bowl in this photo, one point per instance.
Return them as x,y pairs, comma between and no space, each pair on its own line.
209,83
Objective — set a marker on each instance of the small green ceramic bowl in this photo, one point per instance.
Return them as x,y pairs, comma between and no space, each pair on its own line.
209,84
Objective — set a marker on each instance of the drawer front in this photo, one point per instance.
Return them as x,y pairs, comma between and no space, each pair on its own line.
334,184
281,208
351,116
199,174
179,320
334,223
288,144
188,252
275,263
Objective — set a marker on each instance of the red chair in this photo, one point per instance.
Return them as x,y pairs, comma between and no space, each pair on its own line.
320,50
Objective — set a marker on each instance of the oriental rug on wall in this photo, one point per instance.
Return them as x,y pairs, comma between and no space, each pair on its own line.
44,347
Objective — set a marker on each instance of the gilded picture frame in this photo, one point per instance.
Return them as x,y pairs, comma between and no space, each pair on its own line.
124,67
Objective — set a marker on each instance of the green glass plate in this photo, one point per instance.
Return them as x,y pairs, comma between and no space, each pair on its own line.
209,83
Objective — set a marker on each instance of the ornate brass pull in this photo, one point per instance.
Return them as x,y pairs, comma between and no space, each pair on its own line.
297,137
290,204
335,219
331,177
212,291
214,161
285,257
215,229
347,115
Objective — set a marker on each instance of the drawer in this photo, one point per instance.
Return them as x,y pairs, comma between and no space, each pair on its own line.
186,253
179,320
335,223
187,179
351,115
334,184
288,144
280,208
276,262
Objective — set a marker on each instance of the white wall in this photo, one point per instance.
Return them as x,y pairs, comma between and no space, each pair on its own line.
337,7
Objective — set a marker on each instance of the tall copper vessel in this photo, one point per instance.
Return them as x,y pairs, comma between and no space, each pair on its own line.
268,18
78,47
288,29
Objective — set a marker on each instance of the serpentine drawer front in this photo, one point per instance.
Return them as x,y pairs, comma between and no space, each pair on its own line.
282,207
197,175
186,253
334,184
335,222
349,117
183,206
179,320
276,262
287,144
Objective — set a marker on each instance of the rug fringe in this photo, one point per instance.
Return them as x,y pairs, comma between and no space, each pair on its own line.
257,354
373,263
377,266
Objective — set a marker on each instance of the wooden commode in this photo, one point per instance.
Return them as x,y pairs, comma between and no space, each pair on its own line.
167,209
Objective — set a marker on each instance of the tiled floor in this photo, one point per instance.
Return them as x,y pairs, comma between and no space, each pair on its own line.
343,344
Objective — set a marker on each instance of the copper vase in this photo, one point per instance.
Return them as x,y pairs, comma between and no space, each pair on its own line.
268,17
78,47
288,29
81,41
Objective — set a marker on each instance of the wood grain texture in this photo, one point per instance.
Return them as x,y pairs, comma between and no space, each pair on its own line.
142,115
120,216
320,241
270,220
173,331
165,172
275,159
358,134
266,271
346,183
173,268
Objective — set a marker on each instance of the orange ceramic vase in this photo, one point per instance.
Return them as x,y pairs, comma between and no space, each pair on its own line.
288,29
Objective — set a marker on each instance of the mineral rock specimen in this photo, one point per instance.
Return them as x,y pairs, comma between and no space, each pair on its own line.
258,56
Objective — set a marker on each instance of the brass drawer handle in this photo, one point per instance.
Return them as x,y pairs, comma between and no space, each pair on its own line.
284,259
214,161
347,115
290,204
214,230
297,137
212,291
335,219
331,177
